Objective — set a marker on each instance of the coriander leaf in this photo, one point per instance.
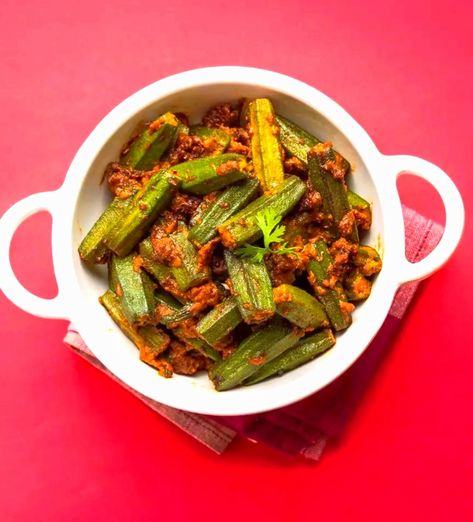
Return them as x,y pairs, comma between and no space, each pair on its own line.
283,249
268,221
256,253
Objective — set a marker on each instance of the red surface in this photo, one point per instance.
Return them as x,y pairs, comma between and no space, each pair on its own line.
73,444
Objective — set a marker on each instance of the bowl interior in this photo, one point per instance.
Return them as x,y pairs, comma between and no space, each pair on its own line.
94,196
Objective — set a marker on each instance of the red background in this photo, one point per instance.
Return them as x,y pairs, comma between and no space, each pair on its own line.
73,444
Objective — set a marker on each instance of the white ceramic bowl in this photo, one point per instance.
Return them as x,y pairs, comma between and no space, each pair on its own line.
78,203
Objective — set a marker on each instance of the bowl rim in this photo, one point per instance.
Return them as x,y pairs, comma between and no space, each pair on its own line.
262,397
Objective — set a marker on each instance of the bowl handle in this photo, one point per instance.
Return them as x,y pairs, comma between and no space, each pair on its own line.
54,308
454,214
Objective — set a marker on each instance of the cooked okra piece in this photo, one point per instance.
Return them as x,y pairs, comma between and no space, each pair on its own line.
251,286
327,177
148,339
265,151
156,340
134,288
181,129
242,227
169,301
92,248
367,260
259,348
204,175
362,210
221,137
158,270
203,348
356,201
357,286
147,148
113,281
304,351
220,321
319,276
297,142
170,312
230,201
299,307
189,273
180,315
141,214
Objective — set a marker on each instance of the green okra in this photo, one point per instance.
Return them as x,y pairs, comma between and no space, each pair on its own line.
220,321
265,150
367,260
113,280
251,286
363,215
297,228
144,151
189,273
230,201
259,348
221,137
170,302
297,142
242,227
321,159
304,351
167,306
92,248
357,286
203,348
134,288
141,214
299,307
143,337
204,175
170,313
356,201
158,270
331,298
156,340
181,129
171,310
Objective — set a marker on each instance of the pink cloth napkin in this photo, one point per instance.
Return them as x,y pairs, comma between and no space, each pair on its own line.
303,428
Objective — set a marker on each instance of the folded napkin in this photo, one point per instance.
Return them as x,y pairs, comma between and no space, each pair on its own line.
303,428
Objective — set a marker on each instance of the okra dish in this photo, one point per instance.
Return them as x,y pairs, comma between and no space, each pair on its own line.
233,245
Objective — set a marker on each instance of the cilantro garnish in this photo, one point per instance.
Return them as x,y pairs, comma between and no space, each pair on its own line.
268,221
